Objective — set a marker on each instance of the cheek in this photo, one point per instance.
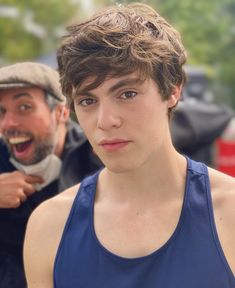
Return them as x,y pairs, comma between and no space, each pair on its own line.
42,125
153,115
38,123
153,126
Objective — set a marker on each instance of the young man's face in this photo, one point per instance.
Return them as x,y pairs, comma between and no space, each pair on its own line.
125,121
27,124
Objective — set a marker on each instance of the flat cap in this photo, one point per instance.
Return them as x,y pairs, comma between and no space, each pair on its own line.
27,74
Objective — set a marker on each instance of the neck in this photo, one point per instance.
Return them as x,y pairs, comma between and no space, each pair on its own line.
163,177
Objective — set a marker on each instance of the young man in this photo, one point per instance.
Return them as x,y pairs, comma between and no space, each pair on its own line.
151,218
37,149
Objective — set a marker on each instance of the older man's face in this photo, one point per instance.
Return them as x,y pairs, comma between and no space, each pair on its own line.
27,124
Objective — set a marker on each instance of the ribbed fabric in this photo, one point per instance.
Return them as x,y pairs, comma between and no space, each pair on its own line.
191,258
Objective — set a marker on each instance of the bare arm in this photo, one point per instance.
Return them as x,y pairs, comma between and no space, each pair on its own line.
37,258
42,238
15,187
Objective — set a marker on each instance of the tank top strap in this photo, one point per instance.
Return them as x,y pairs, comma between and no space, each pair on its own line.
197,167
200,196
197,193
86,193
90,180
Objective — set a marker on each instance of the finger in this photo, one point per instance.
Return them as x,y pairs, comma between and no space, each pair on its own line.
22,197
16,203
33,179
29,189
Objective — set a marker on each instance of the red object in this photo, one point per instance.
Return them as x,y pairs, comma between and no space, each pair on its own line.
225,158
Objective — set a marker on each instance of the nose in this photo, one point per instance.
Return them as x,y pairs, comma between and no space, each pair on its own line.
8,121
108,116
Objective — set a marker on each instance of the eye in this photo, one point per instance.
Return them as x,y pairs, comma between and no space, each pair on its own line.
128,95
85,102
25,107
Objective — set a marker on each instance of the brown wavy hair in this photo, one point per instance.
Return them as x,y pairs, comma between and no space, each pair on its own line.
120,40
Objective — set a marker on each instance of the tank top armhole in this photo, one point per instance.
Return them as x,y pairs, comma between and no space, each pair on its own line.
70,215
213,224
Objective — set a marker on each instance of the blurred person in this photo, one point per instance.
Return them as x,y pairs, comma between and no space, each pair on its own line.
39,145
152,217
197,126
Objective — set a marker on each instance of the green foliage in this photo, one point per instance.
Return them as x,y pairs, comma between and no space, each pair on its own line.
15,43
18,39
207,28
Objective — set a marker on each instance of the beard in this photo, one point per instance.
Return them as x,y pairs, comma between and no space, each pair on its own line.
43,146
42,149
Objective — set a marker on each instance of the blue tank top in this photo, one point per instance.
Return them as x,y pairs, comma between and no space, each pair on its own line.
191,258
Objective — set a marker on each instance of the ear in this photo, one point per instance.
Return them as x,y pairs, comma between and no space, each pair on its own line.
174,97
62,113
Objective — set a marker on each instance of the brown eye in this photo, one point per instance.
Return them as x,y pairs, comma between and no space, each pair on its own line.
128,95
86,102
25,107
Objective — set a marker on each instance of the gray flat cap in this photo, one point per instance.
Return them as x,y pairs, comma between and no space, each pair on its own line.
27,74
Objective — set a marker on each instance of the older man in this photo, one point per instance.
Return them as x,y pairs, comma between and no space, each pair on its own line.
37,143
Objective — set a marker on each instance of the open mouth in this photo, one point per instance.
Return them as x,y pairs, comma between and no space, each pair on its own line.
20,143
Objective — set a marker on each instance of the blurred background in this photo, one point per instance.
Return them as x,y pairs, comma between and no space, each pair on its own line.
31,29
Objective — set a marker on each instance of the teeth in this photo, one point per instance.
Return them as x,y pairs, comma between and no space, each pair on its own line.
18,140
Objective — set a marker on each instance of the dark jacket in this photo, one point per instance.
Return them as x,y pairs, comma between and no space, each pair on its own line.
78,161
196,125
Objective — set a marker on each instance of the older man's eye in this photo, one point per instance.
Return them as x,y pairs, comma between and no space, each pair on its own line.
25,107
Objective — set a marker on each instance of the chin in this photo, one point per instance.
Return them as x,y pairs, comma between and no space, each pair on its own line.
25,162
29,160
121,167
121,163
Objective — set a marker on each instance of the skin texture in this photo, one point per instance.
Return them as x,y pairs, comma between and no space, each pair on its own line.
26,117
126,122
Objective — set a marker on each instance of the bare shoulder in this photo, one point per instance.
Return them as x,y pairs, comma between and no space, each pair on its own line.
51,215
222,188
223,198
43,234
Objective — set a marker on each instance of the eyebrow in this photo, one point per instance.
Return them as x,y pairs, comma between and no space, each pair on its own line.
124,82
116,86
22,94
